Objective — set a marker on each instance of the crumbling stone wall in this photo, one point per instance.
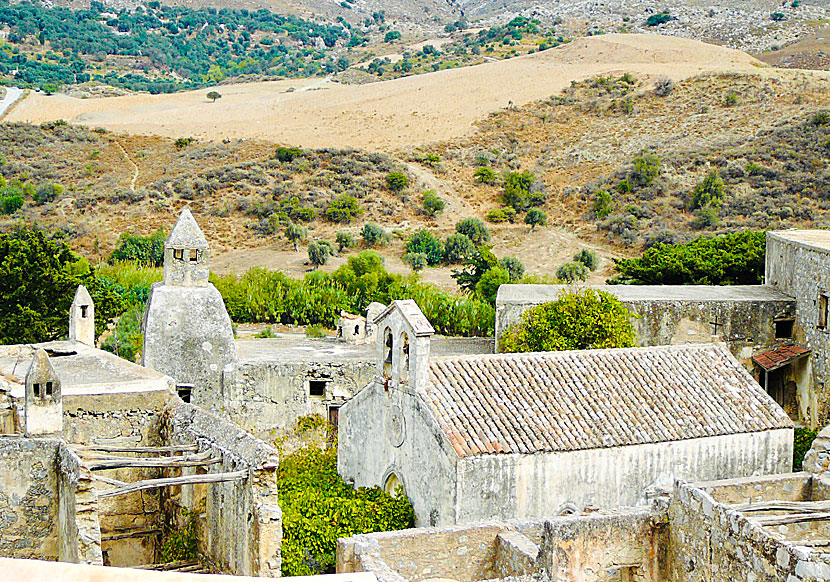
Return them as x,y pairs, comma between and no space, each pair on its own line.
241,523
266,398
77,511
29,525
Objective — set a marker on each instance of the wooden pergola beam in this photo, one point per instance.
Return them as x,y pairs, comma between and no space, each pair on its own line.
126,449
174,481
781,505
201,460
788,519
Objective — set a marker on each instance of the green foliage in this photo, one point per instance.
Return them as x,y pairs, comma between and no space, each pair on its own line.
518,191
147,251
319,253
603,204
646,169
284,154
432,203
397,181
731,99
706,217
474,229
485,175
319,507
505,214
311,422
732,259
265,333
570,272
392,36
778,16
213,96
458,248
474,268
586,319
48,192
343,209
295,233
488,286
11,204
344,239
415,261
373,234
802,441
180,542
513,267
536,217
423,241
183,142
126,340
709,192
820,118
587,258
38,280
315,330
658,19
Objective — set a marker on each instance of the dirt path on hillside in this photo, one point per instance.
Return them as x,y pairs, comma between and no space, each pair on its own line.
386,115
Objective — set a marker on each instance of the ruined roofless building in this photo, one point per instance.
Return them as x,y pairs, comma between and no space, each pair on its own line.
187,330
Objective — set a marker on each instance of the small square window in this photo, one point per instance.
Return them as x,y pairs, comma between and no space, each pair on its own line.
84,310
178,254
783,329
184,391
194,256
48,389
36,389
317,387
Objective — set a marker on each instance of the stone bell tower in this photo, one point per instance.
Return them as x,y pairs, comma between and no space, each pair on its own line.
82,318
187,330
44,400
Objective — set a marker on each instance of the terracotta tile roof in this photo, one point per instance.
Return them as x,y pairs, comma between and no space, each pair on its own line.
563,401
779,357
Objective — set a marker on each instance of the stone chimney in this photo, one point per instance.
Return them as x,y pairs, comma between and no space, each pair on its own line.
82,318
44,401
186,254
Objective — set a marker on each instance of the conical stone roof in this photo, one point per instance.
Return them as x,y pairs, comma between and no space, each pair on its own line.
186,233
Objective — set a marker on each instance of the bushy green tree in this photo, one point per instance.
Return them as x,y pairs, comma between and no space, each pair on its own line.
47,192
513,267
587,258
295,233
474,268
373,234
474,229
732,259
147,251
38,280
416,261
585,319
423,241
536,217
213,96
319,253
709,192
344,240
285,154
485,175
488,286
518,191
570,272
458,248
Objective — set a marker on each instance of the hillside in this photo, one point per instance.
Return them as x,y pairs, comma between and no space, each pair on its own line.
400,113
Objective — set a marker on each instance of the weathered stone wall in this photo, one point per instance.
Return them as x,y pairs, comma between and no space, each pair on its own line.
80,539
29,526
385,432
266,398
803,271
241,522
506,486
746,325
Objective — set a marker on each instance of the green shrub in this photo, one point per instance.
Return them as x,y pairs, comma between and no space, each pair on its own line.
284,154
536,217
458,248
183,142
709,192
318,507
343,209
658,19
373,234
518,191
624,186
513,267
505,214
416,261
432,204
778,16
126,339
319,253
603,204
392,36
315,331
587,258
820,118
706,217
485,175
732,259
423,241
396,181
295,233
11,204
47,193
581,320
344,240
646,169
147,251
474,229
570,272
731,99
802,441
488,286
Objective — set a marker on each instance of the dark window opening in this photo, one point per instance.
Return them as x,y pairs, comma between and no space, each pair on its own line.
317,387
387,352
48,389
357,330
784,329
194,256
178,254
404,356
822,311
184,391
84,309
36,389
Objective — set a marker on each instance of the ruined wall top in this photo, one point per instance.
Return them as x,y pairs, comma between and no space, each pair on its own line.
186,254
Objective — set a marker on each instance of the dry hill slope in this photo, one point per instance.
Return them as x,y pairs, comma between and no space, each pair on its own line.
385,116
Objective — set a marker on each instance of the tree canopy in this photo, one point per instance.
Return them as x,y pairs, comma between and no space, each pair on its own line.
578,320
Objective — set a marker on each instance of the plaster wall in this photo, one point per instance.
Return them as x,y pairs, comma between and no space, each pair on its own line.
29,498
803,271
504,486
240,523
385,431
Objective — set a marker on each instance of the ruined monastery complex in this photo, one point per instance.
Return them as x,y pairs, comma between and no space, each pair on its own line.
668,462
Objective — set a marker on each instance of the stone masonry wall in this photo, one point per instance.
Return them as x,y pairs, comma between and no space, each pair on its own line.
29,525
78,512
240,521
